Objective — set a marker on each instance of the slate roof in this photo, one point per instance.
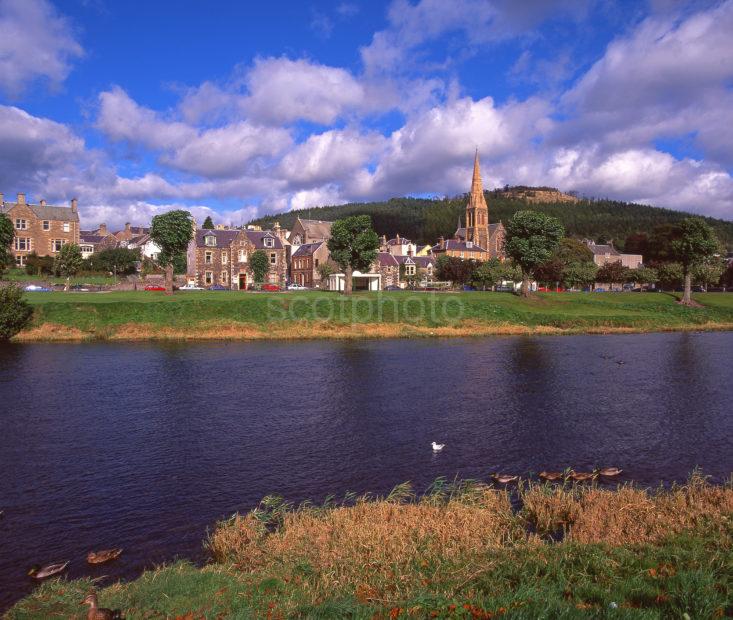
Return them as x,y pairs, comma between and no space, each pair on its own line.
400,241
459,246
224,238
461,231
57,214
387,260
307,249
257,237
135,231
318,229
89,237
420,261
603,249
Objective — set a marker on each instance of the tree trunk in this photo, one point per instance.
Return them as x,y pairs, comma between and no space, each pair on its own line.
349,280
687,295
169,279
525,285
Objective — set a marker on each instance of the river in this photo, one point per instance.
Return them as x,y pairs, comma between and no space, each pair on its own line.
145,446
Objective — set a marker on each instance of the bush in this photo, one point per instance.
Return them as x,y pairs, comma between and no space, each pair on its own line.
15,312
39,265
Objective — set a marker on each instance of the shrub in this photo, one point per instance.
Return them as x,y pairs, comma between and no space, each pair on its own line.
15,312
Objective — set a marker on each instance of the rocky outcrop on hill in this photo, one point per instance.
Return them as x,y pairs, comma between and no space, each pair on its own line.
538,194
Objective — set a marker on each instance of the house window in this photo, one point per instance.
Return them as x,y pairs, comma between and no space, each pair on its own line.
46,225
21,224
67,227
316,262
224,258
269,242
23,244
296,240
57,244
20,260
242,256
209,277
208,258
224,277
273,258
410,270
87,249
210,240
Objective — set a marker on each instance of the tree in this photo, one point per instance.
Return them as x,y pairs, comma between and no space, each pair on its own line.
116,260
549,272
708,274
6,240
488,274
613,273
68,261
573,251
670,275
456,270
644,275
324,270
727,278
172,232
208,223
15,312
694,245
638,243
353,245
260,265
38,265
531,239
580,274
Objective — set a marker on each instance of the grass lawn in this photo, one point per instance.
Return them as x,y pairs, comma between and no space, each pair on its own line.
459,551
192,313
20,276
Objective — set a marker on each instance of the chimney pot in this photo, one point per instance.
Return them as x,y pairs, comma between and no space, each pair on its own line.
21,199
74,204
43,202
103,230
127,226
2,200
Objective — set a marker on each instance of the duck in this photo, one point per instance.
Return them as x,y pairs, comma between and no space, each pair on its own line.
437,447
580,476
609,471
504,478
99,613
100,557
43,572
552,476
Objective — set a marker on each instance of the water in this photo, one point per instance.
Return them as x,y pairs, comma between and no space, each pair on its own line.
144,446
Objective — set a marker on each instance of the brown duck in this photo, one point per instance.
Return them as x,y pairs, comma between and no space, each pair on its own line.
581,476
106,555
43,572
552,476
609,471
99,613
504,478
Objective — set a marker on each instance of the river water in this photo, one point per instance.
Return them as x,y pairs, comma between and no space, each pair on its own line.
145,446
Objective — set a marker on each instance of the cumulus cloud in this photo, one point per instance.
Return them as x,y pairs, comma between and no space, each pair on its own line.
35,42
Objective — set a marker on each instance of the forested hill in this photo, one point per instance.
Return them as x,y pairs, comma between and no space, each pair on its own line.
424,220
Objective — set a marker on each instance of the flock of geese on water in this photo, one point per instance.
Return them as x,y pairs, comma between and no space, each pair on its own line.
552,476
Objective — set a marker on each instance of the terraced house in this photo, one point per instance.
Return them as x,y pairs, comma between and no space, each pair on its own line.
222,257
40,228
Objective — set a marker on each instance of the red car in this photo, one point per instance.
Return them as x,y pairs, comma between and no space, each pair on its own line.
154,287
270,287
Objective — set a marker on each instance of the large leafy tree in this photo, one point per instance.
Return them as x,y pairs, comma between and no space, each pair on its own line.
669,275
579,274
613,273
708,274
172,232
15,312
353,245
68,261
531,239
644,275
6,239
116,260
695,244
260,264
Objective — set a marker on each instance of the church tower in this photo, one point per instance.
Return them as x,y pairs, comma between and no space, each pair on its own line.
477,211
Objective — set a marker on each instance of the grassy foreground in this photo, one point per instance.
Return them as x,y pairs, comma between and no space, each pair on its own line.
459,551
239,315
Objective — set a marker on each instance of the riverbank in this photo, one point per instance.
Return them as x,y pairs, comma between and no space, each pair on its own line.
458,551
205,315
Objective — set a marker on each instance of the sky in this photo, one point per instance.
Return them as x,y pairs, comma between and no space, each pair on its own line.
238,109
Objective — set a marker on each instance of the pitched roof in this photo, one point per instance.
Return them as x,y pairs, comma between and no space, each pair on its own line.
387,260
257,237
460,246
45,212
603,249
461,231
319,229
400,241
307,249
420,261
88,237
223,237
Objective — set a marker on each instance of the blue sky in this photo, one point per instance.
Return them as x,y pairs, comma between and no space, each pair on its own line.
237,109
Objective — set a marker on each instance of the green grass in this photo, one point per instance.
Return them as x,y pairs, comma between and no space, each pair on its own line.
20,276
97,312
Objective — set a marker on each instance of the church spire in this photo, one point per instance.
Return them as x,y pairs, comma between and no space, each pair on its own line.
477,211
476,185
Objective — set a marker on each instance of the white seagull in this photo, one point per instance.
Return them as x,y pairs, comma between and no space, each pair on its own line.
437,447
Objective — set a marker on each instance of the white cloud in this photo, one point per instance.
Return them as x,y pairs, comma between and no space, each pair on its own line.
35,42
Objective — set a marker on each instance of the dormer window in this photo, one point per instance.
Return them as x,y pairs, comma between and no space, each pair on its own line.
469,244
210,240
269,242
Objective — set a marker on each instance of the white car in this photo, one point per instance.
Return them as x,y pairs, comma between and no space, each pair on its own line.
297,287
191,287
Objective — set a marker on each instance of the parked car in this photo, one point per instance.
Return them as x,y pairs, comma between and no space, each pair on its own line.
296,287
505,288
218,287
154,287
599,290
191,287
35,288
270,287
79,287
392,287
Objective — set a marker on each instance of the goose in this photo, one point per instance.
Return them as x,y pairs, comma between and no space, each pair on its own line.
43,572
100,557
99,613
580,476
504,478
552,476
609,471
437,447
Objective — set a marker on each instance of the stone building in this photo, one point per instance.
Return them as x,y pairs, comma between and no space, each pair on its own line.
389,268
305,263
92,241
40,228
310,231
459,248
222,257
398,246
606,253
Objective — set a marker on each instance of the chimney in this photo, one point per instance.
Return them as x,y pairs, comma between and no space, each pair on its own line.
42,203
127,227
74,205
103,230
398,238
21,199
441,242
2,200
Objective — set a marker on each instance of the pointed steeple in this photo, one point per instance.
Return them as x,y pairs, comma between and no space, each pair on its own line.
477,211
477,188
